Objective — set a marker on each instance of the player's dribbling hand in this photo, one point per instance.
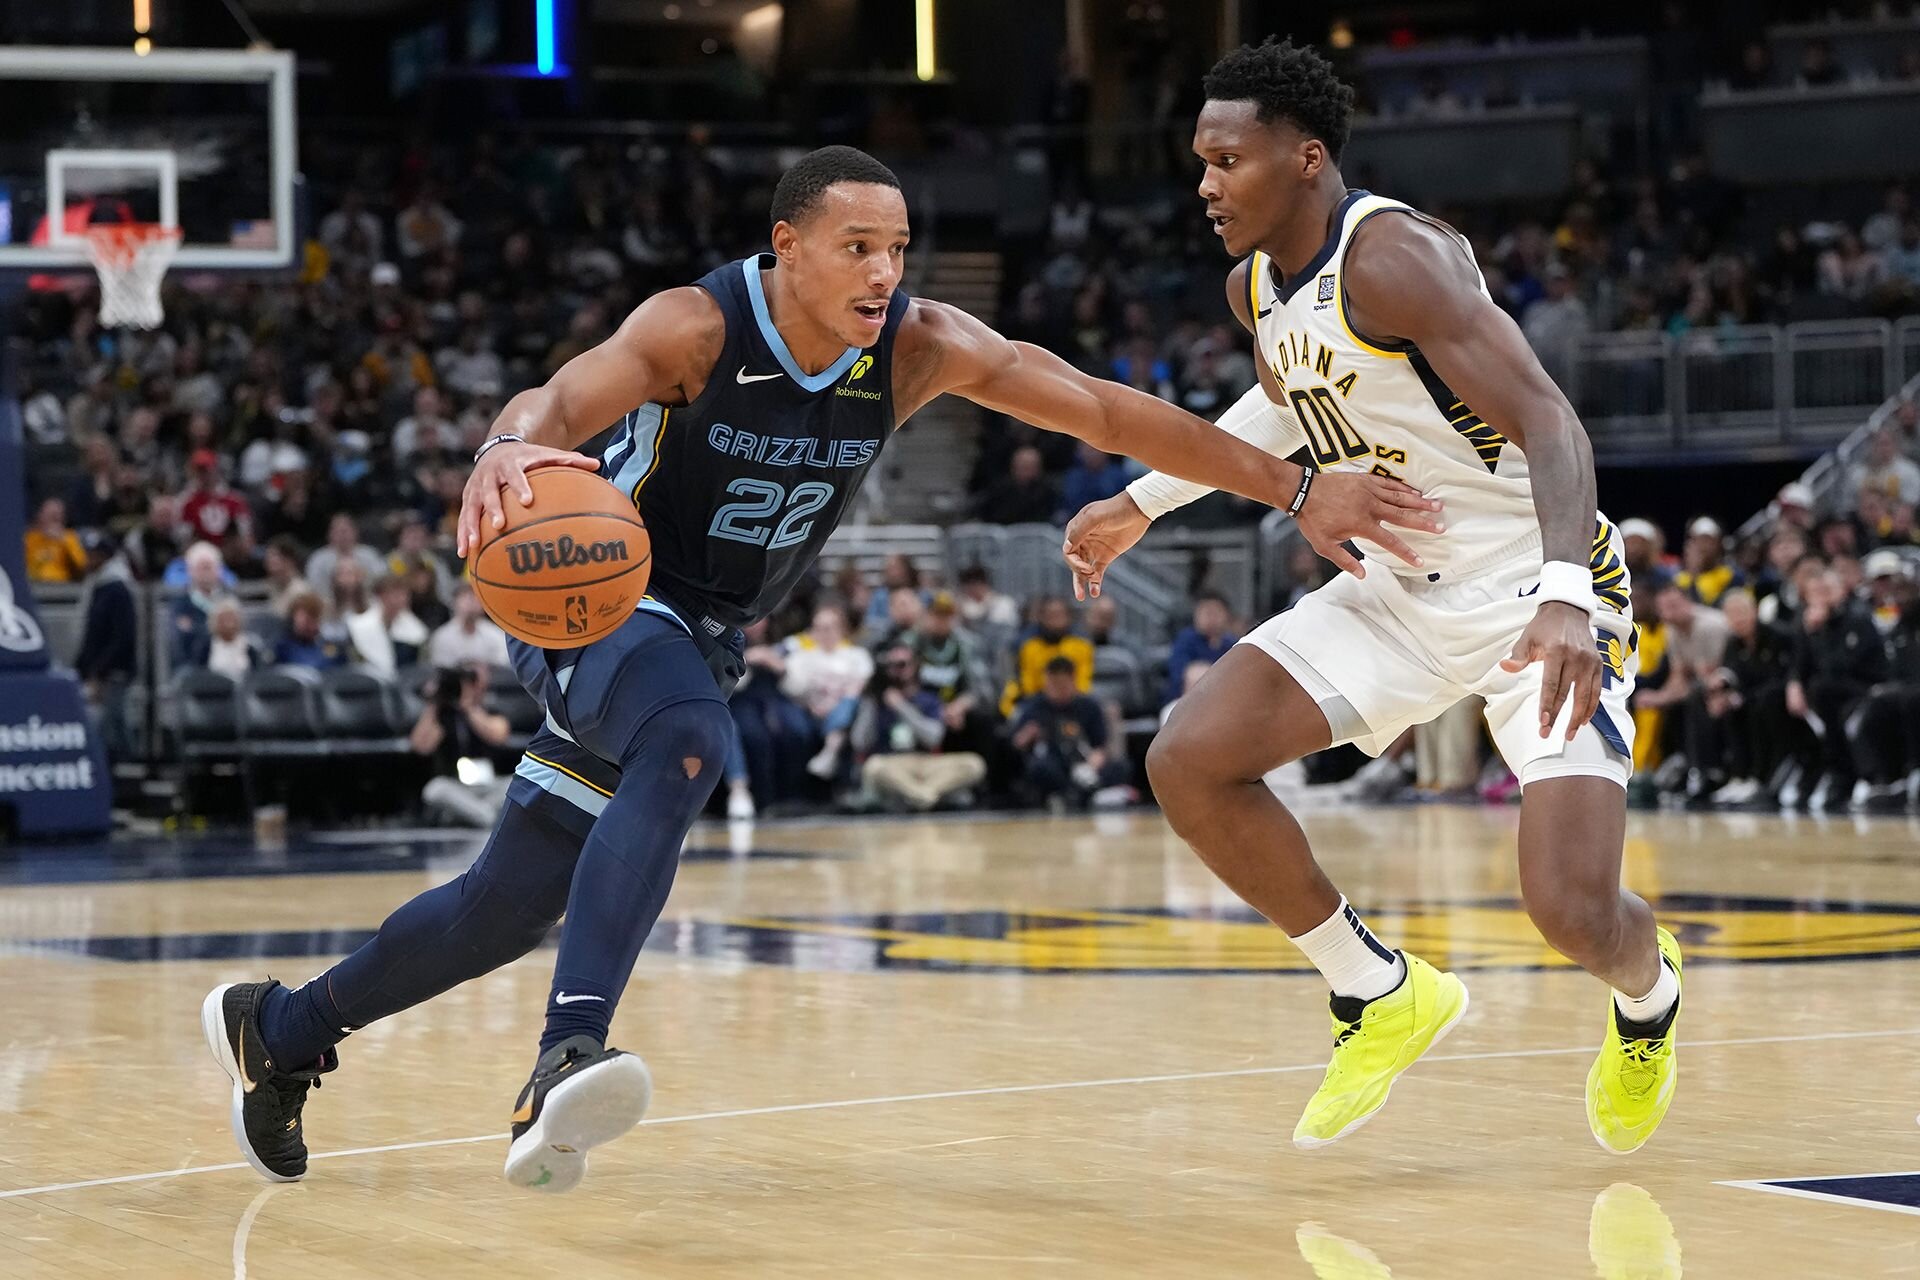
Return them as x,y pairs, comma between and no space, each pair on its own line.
1097,537
505,466
1560,638
1341,506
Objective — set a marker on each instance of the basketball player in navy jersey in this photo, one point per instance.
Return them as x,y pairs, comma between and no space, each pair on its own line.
764,395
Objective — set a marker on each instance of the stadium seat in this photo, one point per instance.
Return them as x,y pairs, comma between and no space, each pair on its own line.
279,712
360,712
206,713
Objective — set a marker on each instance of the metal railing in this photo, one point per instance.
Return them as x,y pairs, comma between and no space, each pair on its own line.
1830,471
1738,387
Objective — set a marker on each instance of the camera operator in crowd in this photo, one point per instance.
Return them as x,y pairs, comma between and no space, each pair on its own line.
456,732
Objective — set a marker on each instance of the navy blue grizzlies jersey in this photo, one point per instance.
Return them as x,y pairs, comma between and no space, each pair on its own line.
741,487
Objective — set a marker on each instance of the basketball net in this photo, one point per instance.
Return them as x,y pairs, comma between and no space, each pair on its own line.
131,259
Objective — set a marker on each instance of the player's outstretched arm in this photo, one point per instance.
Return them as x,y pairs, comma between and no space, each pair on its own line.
942,349
661,354
1409,280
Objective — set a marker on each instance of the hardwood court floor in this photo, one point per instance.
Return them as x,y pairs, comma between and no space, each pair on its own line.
982,1048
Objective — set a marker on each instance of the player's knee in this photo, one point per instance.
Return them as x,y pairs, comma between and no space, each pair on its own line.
691,739
1576,921
1177,760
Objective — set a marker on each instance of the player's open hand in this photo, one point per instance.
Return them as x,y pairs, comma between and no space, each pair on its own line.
1341,506
1097,537
505,466
1560,638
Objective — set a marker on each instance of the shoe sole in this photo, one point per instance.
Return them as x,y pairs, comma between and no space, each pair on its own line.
213,1022
1314,1144
595,1107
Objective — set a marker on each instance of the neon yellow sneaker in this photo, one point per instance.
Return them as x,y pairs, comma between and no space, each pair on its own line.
1370,1052
1629,1237
1631,1084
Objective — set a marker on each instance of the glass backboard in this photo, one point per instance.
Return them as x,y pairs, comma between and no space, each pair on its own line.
201,139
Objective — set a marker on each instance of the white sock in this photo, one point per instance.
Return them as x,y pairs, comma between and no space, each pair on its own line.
1652,1006
1354,962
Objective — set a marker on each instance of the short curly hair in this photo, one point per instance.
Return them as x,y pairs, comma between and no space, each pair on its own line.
1290,82
800,188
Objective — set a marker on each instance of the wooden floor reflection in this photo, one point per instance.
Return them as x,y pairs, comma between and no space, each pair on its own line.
991,1048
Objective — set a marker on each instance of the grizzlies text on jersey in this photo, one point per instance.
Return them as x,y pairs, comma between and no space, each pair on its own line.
741,487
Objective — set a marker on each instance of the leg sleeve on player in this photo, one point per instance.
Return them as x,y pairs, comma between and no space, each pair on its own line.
1253,418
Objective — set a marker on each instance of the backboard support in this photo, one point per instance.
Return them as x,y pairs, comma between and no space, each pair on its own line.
201,139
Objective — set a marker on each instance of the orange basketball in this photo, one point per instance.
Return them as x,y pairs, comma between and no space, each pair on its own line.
568,569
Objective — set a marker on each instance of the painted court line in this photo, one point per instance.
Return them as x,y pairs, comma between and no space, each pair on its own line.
944,1094
1851,1202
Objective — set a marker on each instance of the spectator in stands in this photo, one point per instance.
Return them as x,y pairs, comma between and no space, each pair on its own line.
904,612
1102,615
1695,645
211,510
1736,722
425,227
896,736
412,552
1850,270
427,431
1555,324
306,641
1060,734
386,635
471,369
352,215
953,668
896,574
776,734
455,726
108,659
1886,471
1886,743
1817,66
990,614
205,587
470,638
1838,657
1306,573
1786,548
1094,475
1903,259
1052,638
93,499
227,646
1206,641
53,550
343,544
283,577
1646,550
1756,68
826,676
293,513
1705,575
1796,505
153,542
1025,496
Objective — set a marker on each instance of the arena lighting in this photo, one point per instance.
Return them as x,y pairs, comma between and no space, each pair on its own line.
923,39
543,36
142,24
766,15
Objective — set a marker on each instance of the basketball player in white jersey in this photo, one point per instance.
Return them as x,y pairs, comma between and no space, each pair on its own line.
1380,351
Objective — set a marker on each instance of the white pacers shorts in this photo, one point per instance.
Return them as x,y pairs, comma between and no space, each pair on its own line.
1385,652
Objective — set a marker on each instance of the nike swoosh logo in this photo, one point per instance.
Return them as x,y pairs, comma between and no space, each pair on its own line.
743,377
1262,315
1529,591
564,998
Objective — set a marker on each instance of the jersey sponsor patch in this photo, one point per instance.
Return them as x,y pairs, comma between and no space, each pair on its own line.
1326,288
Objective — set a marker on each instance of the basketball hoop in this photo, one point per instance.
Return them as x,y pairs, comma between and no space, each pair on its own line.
131,259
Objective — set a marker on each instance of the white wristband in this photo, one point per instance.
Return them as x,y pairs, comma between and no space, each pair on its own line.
1568,583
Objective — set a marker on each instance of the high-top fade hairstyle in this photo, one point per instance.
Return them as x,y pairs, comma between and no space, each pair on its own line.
1290,82
801,187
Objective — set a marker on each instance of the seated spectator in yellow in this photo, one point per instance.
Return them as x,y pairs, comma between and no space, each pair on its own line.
1706,575
1054,638
54,553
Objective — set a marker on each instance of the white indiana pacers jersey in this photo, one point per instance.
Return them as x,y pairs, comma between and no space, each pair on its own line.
1369,405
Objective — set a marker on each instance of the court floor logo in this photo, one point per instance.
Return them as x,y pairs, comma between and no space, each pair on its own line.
1481,934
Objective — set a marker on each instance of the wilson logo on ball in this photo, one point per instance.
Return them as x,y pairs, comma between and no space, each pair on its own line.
562,553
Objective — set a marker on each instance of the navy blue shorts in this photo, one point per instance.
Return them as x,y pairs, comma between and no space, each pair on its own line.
597,697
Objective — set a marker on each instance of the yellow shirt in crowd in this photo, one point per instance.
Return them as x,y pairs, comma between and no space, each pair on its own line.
51,559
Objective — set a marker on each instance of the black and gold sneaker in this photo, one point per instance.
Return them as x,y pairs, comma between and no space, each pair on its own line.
267,1097
580,1095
